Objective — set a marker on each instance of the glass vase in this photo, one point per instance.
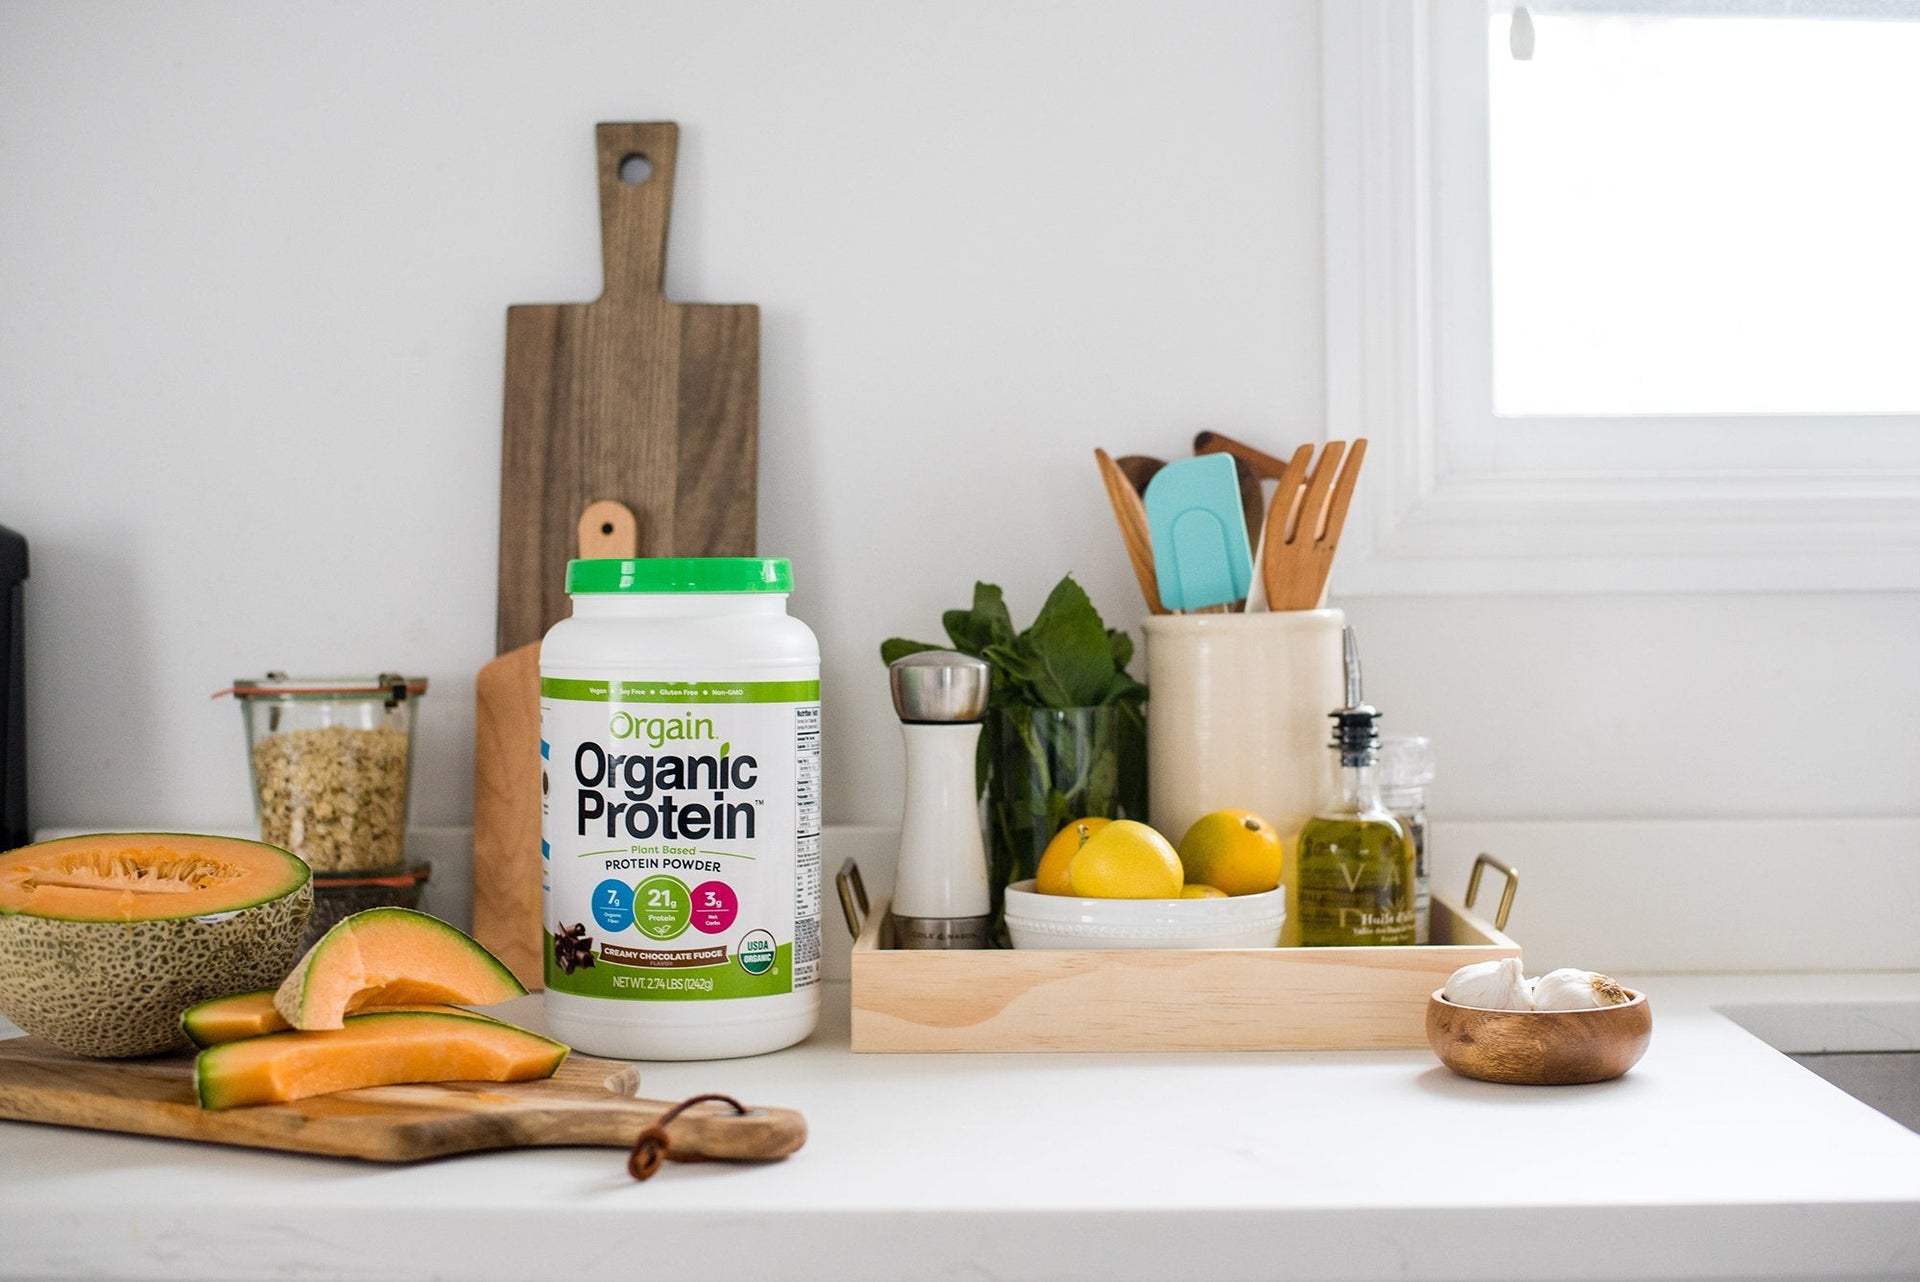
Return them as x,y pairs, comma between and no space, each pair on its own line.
1047,767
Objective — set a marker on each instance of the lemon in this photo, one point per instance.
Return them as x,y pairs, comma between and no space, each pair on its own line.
1125,860
1194,890
1051,878
1235,850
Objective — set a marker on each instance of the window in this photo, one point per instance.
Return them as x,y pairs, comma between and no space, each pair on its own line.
1626,294
1702,214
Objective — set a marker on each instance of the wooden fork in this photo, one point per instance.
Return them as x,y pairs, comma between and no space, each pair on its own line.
1301,539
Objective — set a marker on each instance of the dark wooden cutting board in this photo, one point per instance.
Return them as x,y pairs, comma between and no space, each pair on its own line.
574,1107
631,397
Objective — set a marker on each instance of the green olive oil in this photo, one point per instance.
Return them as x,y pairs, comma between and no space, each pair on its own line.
1356,881
1356,866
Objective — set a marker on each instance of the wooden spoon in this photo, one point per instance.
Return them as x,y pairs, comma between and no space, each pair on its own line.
1131,512
1252,501
1139,469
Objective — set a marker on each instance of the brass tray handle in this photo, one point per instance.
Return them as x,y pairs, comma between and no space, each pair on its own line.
853,896
1481,862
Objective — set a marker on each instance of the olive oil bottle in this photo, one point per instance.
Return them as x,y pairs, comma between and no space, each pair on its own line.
1356,866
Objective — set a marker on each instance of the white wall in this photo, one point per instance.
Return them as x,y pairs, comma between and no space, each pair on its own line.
257,256
254,261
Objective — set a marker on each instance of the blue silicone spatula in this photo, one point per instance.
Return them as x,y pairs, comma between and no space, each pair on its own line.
1198,528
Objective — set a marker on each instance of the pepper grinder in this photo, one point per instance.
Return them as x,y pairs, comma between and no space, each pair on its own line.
940,897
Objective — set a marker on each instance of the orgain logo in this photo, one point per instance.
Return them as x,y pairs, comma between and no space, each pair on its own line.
658,731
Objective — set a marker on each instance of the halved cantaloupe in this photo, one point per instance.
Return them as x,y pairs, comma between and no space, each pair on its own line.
106,938
390,957
381,1048
228,1019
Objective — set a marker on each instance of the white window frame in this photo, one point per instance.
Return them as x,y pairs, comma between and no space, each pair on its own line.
1434,515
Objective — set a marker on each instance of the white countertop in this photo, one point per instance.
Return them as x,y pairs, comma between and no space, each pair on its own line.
1715,1157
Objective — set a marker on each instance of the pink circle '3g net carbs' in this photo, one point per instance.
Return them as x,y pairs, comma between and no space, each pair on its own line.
714,907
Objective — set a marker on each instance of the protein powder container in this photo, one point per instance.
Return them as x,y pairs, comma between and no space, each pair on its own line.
680,810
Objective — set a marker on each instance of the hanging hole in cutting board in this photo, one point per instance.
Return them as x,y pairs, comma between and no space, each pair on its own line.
635,169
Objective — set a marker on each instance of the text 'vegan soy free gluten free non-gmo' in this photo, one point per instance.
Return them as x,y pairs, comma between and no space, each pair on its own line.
680,811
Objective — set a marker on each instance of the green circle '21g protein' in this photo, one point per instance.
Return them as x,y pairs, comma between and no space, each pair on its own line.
680,814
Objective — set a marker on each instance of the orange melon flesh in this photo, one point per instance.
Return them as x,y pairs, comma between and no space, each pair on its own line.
228,1019
383,1048
390,957
144,876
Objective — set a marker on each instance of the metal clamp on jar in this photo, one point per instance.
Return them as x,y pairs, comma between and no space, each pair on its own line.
940,897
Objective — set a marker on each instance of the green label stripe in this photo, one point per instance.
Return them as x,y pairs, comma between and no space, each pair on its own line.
680,692
671,983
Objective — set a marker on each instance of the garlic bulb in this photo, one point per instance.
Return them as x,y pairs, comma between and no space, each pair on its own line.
1491,985
1570,989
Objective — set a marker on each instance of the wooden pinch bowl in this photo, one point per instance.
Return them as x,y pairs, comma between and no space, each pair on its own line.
1540,1047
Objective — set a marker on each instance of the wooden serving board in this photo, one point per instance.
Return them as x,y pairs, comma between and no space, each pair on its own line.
507,865
575,1107
631,397
508,778
1236,999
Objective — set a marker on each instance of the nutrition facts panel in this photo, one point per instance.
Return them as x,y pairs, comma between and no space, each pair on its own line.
806,845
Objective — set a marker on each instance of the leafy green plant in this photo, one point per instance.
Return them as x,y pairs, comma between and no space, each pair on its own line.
1066,730
1067,658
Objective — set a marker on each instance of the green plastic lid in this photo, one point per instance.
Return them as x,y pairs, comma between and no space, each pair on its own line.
682,574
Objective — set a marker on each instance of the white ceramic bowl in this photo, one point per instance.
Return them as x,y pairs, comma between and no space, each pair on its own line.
1062,921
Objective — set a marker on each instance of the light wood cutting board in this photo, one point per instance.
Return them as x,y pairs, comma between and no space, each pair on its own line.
631,397
507,768
574,1107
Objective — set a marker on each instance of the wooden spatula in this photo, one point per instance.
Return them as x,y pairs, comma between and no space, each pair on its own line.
1131,512
506,776
1264,465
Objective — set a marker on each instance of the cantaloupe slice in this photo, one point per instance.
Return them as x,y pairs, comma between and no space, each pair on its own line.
390,957
228,1019
381,1048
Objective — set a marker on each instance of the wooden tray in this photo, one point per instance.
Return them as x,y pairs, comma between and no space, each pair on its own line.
1163,1000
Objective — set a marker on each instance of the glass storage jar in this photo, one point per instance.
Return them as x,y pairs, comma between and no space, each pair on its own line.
331,759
